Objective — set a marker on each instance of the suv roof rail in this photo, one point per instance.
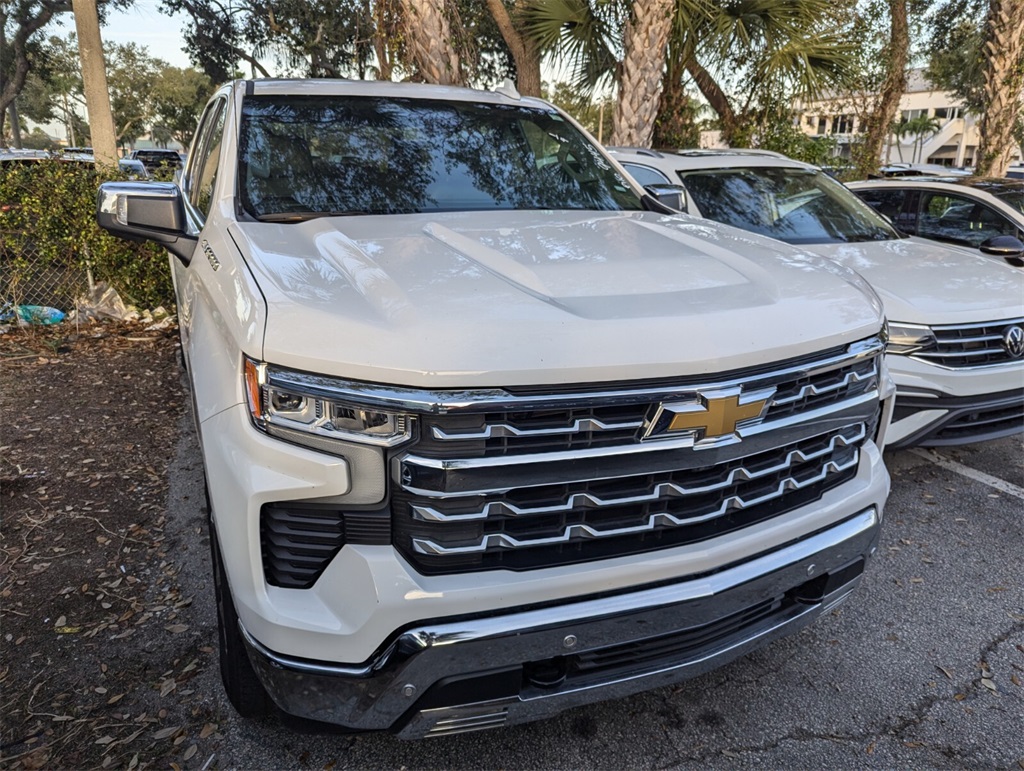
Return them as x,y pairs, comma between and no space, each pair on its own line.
689,151
638,150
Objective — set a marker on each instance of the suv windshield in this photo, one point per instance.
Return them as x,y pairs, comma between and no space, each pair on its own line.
304,157
799,206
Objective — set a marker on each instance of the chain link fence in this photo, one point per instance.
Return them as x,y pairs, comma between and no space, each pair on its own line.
27,279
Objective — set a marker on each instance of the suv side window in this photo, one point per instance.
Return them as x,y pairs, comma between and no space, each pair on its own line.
204,169
891,204
888,203
950,217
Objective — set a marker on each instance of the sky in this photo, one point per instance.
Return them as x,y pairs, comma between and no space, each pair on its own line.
142,24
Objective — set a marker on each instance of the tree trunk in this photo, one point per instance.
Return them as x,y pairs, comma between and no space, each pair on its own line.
26,27
645,41
674,127
15,125
869,153
524,49
716,97
1004,80
428,41
94,80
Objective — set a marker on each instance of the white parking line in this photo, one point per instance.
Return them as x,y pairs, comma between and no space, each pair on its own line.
979,476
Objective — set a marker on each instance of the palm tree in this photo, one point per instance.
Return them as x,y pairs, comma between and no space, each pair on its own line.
645,39
791,45
525,51
428,42
894,83
1004,79
796,47
918,127
161,135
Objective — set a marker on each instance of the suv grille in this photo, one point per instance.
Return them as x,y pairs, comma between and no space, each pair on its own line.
971,345
573,478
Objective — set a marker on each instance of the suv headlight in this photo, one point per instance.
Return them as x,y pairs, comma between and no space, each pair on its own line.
311,416
909,338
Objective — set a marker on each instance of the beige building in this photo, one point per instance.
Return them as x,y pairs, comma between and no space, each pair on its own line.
953,142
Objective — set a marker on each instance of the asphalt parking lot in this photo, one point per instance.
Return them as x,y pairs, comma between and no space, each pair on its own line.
923,667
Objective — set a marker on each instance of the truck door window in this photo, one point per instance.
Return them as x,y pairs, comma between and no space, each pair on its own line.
204,171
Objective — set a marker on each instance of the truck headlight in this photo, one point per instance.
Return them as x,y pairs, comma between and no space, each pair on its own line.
909,338
312,416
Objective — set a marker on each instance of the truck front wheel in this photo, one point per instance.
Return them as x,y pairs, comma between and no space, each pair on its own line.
244,690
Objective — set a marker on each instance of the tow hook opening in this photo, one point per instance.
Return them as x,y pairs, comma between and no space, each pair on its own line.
548,674
817,589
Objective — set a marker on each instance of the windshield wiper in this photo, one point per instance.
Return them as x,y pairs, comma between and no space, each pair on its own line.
302,216
879,235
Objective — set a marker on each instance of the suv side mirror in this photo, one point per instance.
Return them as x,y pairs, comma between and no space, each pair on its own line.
673,196
1008,247
146,211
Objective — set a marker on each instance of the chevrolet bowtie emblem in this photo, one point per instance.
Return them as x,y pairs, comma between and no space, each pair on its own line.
714,416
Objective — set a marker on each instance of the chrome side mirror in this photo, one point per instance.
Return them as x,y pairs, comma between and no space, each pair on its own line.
673,196
146,211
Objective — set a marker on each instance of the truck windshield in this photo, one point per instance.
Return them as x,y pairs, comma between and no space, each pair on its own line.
303,157
799,206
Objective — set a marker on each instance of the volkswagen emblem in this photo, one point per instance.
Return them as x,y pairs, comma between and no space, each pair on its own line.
1013,341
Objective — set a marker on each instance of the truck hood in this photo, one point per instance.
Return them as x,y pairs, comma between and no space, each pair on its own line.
926,283
521,298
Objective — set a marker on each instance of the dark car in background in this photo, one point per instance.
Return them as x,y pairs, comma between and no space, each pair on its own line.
156,159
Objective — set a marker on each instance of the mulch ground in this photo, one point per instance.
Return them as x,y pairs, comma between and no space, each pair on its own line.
97,649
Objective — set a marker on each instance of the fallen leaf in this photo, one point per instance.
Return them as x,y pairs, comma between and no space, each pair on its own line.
134,762
959,696
167,686
989,684
190,752
62,621
166,733
870,749
115,699
946,672
176,628
68,629
208,729
104,740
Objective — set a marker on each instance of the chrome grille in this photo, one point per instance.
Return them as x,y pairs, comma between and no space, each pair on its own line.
970,345
581,428
570,476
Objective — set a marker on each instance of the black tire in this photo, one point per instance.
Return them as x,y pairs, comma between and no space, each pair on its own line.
244,689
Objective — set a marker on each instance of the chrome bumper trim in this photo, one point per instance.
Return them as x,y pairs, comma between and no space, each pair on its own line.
384,693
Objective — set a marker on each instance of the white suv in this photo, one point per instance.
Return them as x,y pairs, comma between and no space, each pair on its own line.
956,319
488,433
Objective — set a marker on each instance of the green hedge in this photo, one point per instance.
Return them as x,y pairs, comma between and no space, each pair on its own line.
48,222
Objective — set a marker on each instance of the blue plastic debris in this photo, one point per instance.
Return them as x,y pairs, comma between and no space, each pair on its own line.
32,314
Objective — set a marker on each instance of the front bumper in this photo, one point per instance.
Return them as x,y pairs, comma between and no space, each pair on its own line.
938,406
484,671
938,421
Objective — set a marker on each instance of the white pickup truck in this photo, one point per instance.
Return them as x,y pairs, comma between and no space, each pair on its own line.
488,432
